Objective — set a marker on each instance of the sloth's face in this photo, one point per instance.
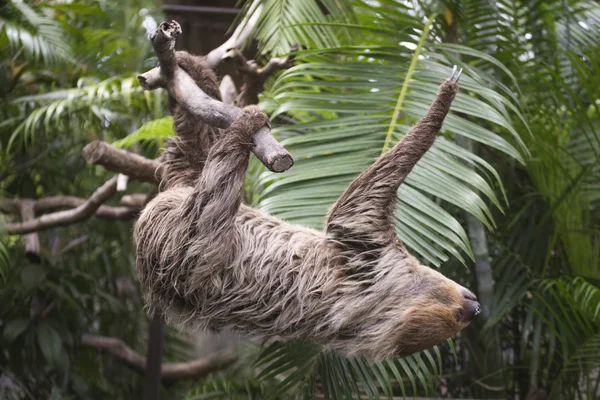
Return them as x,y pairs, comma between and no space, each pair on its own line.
441,310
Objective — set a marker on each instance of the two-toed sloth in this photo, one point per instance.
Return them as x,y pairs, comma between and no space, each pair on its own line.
205,260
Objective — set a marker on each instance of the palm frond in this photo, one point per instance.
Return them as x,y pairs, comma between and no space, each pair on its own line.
156,130
576,331
102,103
302,367
284,23
41,38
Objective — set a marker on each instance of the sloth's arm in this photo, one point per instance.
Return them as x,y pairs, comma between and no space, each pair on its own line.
362,218
218,192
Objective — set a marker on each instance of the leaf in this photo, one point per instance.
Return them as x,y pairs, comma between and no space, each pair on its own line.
33,275
283,23
155,130
14,328
50,343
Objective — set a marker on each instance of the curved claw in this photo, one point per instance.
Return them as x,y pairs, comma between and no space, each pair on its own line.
458,75
454,76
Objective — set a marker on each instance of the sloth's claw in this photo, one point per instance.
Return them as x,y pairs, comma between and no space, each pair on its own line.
454,76
458,75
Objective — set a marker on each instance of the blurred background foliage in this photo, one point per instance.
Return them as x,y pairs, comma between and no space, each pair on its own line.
506,202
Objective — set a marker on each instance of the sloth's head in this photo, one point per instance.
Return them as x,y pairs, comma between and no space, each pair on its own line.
440,309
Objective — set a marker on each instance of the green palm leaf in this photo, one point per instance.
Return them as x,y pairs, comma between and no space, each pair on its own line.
568,307
41,38
102,103
296,365
153,131
284,23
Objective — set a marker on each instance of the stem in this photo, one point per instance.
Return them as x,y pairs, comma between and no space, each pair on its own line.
404,90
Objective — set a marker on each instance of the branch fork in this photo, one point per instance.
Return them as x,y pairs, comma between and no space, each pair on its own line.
184,90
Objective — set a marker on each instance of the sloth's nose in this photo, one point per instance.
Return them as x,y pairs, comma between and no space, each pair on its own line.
471,307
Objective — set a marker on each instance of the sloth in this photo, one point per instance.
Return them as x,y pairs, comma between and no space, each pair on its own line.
205,260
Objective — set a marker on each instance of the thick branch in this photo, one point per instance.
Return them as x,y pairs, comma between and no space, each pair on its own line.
121,161
213,112
170,372
61,218
52,203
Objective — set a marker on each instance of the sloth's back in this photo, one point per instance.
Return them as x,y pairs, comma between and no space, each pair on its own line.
276,274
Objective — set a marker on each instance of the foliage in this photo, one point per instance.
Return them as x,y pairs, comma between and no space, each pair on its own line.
67,77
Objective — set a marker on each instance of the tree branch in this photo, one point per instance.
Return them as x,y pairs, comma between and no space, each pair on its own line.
61,218
254,77
123,162
170,372
213,112
239,36
32,240
51,203
228,90
136,200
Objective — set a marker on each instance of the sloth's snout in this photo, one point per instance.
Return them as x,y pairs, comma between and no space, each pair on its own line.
471,307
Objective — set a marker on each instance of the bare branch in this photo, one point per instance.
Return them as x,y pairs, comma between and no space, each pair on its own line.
32,240
274,64
213,112
74,243
228,90
239,36
52,203
136,200
61,218
152,79
170,372
254,77
123,162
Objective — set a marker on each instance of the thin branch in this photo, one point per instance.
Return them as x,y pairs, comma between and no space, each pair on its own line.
32,240
51,203
254,77
213,112
73,243
136,200
61,218
239,36
170,372
123,162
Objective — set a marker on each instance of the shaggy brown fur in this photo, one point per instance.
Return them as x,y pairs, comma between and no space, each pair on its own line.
186,154
208,261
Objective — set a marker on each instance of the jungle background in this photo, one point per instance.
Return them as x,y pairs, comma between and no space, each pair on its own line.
506,202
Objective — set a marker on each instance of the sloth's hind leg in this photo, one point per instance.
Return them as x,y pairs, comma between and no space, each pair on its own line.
362,218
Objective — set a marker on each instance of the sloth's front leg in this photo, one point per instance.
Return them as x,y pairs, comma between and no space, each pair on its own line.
212,207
